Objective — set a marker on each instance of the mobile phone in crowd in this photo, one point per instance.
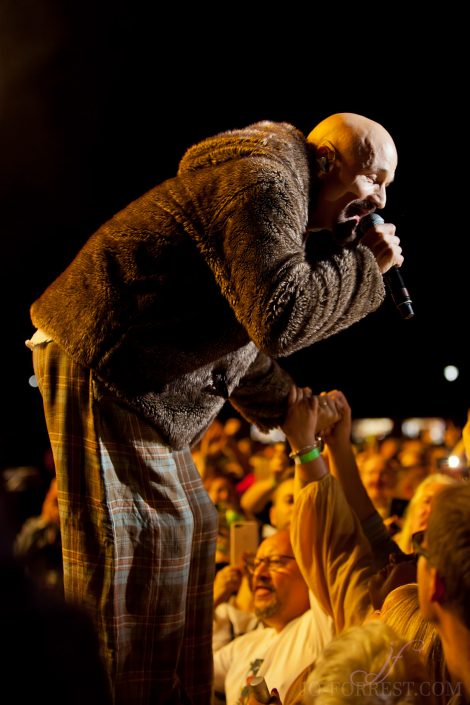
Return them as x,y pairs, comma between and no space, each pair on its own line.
244,538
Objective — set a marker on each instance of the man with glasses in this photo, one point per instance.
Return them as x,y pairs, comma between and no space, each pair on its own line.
295,628
444,581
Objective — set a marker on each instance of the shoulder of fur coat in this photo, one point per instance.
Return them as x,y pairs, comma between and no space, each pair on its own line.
262,139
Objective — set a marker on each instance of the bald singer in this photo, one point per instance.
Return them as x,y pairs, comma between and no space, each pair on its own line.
180,302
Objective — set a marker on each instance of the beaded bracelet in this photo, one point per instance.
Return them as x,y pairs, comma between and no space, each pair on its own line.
316,444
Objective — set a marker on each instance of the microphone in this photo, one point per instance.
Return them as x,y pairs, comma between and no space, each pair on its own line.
393,278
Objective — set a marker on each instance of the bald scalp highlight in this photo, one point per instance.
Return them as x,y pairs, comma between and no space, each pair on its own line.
280,540
353,137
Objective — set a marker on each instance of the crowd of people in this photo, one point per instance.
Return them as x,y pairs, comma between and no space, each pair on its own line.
335,581
263,243
341,567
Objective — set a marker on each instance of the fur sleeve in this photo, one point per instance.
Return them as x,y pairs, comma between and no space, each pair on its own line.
284,300
261,395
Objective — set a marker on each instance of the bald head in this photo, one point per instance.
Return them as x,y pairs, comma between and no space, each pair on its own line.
354,161
354,138
278,542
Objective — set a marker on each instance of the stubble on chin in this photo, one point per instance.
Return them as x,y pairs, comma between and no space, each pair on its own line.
269,610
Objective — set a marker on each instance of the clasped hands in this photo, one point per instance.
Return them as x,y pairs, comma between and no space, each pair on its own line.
309,415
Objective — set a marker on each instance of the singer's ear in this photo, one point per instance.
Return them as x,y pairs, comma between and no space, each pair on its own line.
326,158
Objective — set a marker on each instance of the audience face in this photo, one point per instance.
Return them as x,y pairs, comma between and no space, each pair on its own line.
378,478
232,426
411,453
444,559
279,459
435,455
452,434
389,447
280,513
422,509
214,438
219,490
408,480
280,592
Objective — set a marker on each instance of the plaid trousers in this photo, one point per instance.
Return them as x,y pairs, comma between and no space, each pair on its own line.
138,537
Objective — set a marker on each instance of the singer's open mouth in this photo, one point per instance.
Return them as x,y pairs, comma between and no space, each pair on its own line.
359,209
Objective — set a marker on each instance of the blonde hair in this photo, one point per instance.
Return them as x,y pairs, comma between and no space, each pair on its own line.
401,612
368,665
403,539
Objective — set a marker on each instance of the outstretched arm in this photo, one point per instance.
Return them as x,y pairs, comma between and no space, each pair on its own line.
331,550
344,467
343,461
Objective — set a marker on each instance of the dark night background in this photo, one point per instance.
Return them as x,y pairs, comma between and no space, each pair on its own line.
98,101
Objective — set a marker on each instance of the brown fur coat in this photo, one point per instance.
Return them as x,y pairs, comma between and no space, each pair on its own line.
171,301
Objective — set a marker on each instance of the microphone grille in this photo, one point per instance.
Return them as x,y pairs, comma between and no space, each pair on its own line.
369,221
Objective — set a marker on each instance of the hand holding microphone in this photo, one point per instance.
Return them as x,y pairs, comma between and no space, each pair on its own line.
388,255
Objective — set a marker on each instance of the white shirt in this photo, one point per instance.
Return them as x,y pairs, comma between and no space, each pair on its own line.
278,656
230,622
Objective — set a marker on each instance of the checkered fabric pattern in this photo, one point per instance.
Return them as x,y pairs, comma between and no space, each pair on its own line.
138,536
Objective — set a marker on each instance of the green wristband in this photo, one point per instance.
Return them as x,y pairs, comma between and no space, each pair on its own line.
307,457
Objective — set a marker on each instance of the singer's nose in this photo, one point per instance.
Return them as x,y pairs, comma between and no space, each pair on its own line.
379,196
